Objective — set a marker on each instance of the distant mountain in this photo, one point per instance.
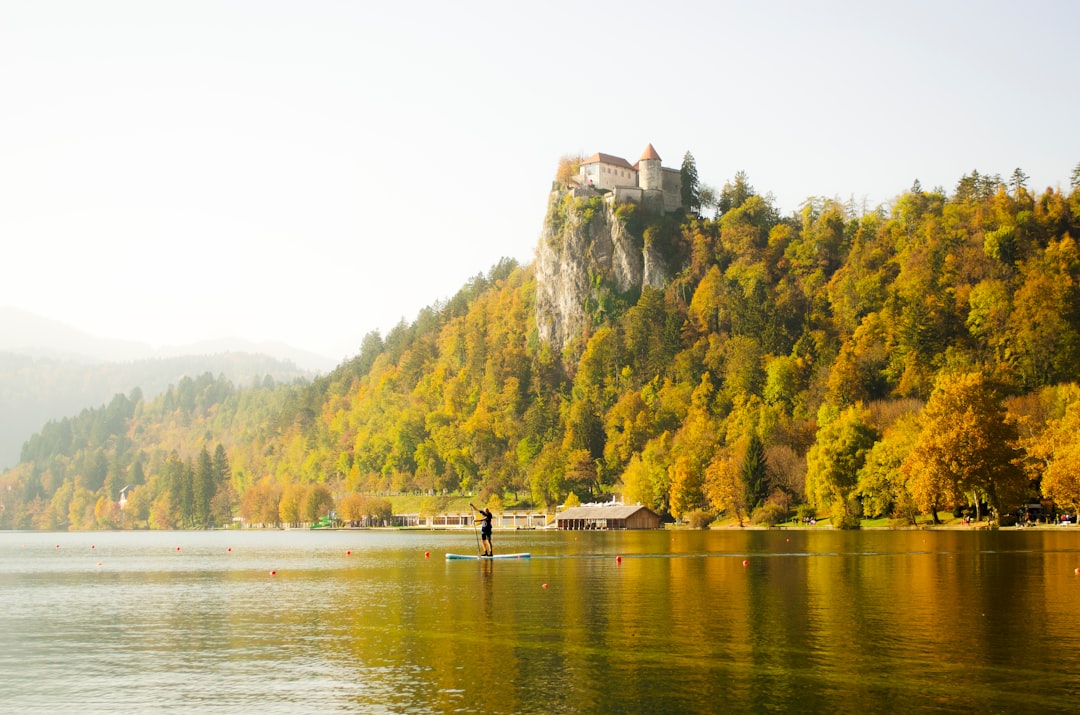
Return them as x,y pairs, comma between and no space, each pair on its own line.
49,370
306,361
25,333
33,335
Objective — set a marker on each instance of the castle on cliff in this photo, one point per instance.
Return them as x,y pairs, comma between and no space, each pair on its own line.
647,182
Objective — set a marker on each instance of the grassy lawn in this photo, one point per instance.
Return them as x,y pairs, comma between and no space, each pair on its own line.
413,504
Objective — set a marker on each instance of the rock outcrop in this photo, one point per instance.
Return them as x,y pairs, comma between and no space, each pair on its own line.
584,249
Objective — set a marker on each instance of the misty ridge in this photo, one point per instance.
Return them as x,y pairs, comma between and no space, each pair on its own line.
49,371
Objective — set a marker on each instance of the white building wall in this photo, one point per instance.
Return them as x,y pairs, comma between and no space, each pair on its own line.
607,176
650,174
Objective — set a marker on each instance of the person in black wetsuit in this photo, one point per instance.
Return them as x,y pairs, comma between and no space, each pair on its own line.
485,529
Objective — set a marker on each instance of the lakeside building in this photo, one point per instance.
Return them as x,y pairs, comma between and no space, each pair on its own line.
511,519
609,517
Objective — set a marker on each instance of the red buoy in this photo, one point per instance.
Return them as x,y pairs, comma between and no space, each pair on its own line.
348,553
427,554
745,562
618,559
273,573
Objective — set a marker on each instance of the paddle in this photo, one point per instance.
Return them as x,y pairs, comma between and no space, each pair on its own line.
475,532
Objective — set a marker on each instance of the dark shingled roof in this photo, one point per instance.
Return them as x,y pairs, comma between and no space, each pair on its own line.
600,512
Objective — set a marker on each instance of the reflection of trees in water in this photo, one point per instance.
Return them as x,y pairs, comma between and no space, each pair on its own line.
487,581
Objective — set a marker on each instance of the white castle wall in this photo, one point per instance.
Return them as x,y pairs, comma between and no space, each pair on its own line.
649,174
631,194
607,176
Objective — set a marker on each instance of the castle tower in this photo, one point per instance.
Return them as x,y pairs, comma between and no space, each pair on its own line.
649,175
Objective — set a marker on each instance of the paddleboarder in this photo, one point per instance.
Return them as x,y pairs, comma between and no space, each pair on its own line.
485,529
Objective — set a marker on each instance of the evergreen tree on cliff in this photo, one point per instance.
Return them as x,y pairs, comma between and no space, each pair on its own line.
691,198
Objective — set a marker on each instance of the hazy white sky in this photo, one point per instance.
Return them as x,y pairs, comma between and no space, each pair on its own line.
308,171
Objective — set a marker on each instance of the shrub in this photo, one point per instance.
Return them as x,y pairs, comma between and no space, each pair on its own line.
844,520
698,519
769,514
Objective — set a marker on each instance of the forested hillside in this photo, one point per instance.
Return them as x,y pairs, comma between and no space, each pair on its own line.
895,362
35,389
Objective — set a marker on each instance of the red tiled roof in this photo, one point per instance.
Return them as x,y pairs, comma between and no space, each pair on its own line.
601,158
649,153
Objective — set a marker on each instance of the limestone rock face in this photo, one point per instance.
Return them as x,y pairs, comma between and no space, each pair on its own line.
583,247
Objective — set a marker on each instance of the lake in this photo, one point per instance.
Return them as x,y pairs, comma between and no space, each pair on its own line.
379,621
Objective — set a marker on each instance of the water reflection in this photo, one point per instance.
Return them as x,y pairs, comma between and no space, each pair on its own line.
362,621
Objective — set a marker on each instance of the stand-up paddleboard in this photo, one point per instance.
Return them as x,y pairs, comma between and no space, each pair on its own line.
474,557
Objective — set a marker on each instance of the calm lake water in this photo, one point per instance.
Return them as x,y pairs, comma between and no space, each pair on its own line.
362,621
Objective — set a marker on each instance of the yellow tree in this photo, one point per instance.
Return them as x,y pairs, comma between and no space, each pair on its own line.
351,508
259,504
706,313
627,428
636,484
1045,322
137,507
81,509
1059,446
694,448
882,486
163,512
834,460
580,473
686,487
965,447
568,167
289,506
858,373
316,502
724,486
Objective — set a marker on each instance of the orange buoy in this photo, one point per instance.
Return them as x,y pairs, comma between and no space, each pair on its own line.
427,554
543,585
99,563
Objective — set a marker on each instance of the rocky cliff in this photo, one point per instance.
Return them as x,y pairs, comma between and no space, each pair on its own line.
586,251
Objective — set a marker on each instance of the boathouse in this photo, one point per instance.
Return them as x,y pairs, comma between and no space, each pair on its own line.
513,519
608,517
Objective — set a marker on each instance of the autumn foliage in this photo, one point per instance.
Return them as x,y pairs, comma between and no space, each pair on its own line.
892,362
